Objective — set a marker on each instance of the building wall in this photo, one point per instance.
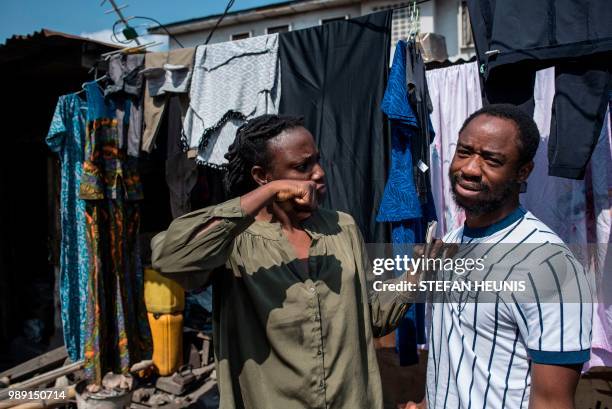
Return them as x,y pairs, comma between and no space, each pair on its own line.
447,24
256,28
439,16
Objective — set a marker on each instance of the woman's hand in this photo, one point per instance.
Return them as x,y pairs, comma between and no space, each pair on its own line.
295,200
301,192
298,197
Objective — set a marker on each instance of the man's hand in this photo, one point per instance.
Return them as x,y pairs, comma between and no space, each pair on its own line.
414,405
436,249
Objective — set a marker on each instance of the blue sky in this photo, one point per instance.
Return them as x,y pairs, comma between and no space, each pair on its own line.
87,16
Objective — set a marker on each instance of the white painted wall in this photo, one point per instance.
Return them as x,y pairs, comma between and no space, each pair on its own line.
296,22
439,16
447,24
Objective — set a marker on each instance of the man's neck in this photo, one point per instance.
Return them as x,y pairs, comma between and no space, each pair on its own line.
476,221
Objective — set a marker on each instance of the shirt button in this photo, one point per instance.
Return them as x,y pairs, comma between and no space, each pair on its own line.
319,352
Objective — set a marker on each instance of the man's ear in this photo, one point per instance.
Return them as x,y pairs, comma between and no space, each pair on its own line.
524,172
259,174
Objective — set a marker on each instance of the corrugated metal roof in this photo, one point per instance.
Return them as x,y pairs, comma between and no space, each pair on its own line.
21,46
46,33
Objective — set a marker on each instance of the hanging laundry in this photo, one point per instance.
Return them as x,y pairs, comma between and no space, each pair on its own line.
66,137
567,217
571,217
455,94
125,88
554,35
418,97
601,186
166,74
168,77
181,171
124,72
513,31
335,75
400,200
404,104
580,103
232,82
117,331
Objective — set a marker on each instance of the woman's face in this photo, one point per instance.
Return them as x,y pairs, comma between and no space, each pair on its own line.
293,155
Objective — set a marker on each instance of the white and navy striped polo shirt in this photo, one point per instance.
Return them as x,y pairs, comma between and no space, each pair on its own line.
480,353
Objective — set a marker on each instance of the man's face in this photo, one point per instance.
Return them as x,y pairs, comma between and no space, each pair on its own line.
485,172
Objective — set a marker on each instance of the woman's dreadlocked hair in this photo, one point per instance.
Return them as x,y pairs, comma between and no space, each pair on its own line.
250,149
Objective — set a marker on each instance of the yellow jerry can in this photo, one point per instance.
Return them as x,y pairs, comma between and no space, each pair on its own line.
167,334
162,295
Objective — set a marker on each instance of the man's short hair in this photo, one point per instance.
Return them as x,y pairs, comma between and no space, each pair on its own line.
528,133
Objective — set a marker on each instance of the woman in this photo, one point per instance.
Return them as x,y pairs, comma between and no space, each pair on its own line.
293,326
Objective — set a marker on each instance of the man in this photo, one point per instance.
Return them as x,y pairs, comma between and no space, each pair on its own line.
513,352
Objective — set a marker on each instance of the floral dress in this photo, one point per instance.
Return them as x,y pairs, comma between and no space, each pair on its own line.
117,328
66,137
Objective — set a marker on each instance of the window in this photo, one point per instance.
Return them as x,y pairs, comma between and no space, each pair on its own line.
278,29
240,36
333,19
400,22
467,39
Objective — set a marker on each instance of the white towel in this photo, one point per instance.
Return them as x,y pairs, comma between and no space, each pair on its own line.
232,82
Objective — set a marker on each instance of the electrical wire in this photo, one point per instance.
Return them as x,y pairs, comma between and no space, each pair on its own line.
230,3
163,27
114,35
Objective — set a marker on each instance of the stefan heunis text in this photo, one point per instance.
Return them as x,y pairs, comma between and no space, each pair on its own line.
439,286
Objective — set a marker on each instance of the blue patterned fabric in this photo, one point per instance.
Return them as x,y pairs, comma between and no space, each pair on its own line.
400,204
66,137
400,200
411,331
395,101
98,106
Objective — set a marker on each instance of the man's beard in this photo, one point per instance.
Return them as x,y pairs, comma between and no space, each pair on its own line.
491,201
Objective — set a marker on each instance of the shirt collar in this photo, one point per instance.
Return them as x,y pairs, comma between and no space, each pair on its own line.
478,232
